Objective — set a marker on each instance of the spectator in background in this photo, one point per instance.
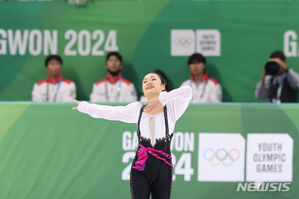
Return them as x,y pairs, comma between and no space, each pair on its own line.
114,87
205,88
162,74
55,88
278,83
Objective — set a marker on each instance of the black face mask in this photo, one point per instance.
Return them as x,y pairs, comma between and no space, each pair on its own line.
115,73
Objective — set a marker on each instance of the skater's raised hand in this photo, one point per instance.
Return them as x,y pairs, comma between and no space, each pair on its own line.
76,107
153,106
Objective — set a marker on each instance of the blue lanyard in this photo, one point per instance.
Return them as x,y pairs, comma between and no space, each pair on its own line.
279,90
56,92
118,89
204,87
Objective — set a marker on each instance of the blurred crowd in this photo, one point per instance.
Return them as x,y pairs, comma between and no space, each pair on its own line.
278,83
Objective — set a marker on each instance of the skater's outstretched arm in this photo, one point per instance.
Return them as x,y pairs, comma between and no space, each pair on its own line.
128,113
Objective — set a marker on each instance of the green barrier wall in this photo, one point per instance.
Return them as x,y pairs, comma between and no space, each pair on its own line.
141,31
50,151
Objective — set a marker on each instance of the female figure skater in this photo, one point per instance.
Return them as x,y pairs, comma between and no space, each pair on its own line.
151,170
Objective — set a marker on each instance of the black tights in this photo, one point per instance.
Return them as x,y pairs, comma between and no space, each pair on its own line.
155,179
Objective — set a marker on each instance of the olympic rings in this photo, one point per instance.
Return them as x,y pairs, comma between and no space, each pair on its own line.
183,42
227,158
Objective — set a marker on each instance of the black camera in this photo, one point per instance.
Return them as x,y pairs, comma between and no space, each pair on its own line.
272,68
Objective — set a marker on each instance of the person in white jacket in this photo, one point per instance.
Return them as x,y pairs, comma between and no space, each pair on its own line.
55,88
205,89
151,170
114,87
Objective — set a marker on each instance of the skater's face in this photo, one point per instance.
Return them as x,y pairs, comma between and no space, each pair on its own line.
197,68
113,64
152,85
53,67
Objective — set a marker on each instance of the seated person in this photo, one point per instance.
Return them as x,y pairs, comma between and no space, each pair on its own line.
143,99
114,87
205,88
278,83
55,88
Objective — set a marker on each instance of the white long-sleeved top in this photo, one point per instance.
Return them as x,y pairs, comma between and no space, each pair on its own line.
176,101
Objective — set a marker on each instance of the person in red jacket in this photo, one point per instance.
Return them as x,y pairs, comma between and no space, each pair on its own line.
114,87
55,88
205,88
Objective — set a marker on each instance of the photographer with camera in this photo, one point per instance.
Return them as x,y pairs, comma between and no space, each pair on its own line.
278,83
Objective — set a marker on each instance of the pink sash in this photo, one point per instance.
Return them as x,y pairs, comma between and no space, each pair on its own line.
142,157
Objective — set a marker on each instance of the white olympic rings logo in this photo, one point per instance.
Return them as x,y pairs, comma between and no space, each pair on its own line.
183,42
227,158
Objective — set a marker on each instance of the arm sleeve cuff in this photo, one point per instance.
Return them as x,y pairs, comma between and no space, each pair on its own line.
163,98
83,107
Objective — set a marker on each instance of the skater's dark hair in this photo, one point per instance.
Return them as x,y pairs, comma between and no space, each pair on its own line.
162,77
